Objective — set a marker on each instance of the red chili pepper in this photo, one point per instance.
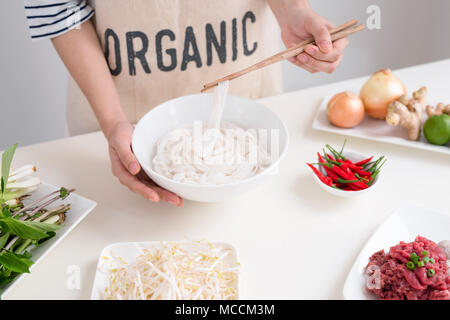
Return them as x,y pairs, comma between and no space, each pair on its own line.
363,173
321,177
350,165
354,167
330,173
346,169
359,185
353,187
341,173
321,159
348,161
362,162
347,176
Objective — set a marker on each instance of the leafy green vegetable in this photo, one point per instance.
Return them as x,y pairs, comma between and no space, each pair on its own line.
7,158
29,229
25,255
16,236
3,240
6,212
42,226
50,235
14,263
6,280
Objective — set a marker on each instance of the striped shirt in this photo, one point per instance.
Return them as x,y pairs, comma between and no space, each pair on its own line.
51,18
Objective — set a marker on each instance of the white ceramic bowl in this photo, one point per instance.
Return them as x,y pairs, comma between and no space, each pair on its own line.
183,111
354,157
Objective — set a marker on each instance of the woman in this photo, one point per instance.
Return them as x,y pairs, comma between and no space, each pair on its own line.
136,54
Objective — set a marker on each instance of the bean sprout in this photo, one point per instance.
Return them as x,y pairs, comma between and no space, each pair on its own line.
174,271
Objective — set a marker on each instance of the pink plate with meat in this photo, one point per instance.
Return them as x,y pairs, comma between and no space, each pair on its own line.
397,273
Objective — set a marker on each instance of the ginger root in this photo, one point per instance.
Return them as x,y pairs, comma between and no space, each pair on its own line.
438,110
407,112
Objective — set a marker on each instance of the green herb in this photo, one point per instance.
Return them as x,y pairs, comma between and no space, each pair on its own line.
420,264
5,212
3,239
28,229
432,260
426,260
63,192
15,263
425,253
431,273
7,157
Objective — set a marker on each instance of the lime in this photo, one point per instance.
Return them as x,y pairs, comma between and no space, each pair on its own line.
437,129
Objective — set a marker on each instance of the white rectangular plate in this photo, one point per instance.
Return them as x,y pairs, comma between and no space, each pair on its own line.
403,225
80,207
130,251
372,129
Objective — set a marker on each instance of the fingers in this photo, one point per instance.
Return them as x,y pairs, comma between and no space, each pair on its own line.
166,195
141,183
332,56
129,180
318,65
319,29
302,65
163,193
316,60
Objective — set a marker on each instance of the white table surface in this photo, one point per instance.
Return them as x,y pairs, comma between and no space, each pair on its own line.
294,240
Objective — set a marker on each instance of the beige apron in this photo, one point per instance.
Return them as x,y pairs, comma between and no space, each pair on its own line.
162,49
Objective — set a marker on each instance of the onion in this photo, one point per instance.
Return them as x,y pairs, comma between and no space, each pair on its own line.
345,110
379,91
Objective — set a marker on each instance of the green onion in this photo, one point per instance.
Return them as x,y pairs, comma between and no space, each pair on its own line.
432,260
415,259
410,265
413,255
426,260
425,253
431,273
420,264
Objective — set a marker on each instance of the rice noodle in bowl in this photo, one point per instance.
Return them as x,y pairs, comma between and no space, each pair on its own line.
216,153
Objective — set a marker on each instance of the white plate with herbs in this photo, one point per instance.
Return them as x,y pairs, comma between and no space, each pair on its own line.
34,218
80,207
372,129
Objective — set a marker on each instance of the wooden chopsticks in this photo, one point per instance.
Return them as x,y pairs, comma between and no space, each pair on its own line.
337,33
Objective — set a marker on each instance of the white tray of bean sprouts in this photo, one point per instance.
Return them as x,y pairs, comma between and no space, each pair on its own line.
169,270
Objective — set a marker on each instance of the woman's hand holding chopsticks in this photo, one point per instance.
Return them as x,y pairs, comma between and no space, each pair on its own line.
299,22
